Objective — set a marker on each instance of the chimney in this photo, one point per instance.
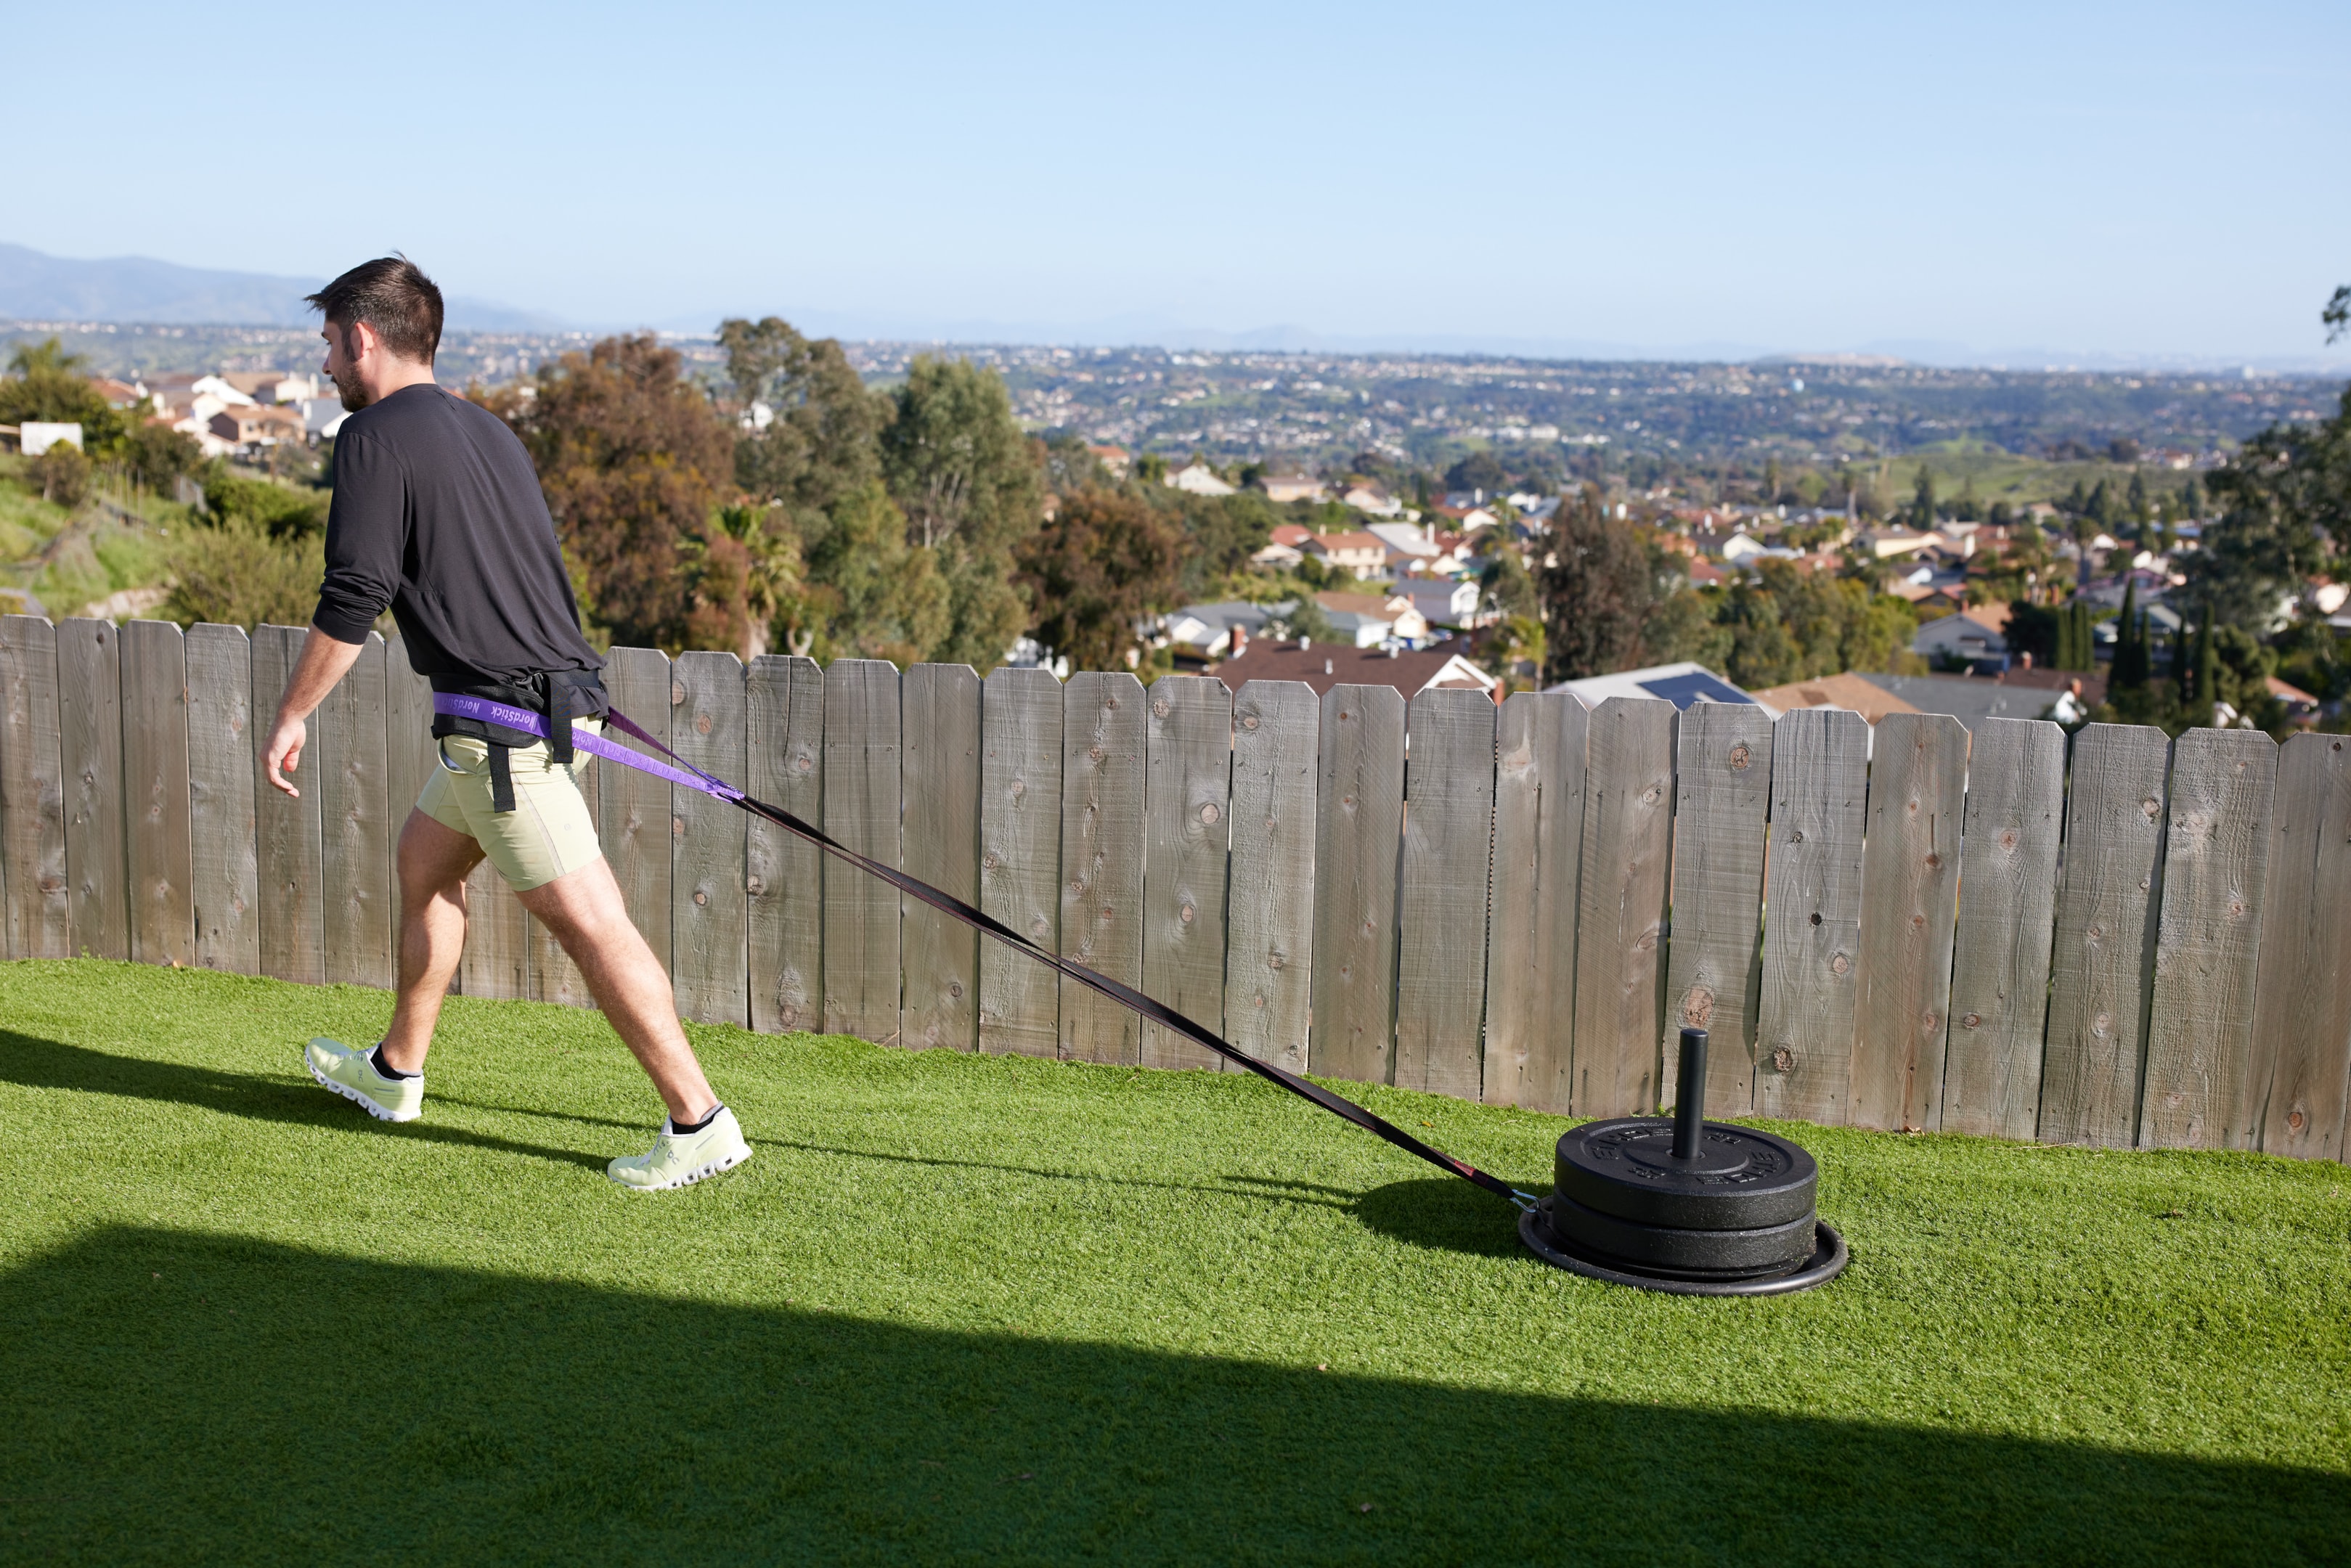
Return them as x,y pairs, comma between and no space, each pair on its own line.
1241,641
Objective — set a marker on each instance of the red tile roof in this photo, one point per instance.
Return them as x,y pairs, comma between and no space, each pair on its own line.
1327,664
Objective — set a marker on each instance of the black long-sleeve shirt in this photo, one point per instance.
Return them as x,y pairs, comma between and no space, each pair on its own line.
438,513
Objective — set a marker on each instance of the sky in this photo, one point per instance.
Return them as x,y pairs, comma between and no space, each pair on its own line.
1996,182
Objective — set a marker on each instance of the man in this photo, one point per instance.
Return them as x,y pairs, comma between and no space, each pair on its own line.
437,513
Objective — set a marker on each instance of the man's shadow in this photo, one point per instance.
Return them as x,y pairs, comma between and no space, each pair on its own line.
38,1063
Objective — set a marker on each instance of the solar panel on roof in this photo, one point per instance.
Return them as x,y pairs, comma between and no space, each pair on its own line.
1696,686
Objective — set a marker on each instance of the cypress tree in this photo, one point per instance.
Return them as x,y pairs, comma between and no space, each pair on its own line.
2208,670
2130,643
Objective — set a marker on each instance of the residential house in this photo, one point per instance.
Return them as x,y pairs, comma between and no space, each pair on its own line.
1979,634
1852,693
1441,603
1208,631
1373,499
1285,548
1412,546
322,416
1197,479
1113,458
1681,684
1368,619
256,425
1322,666
1363,555
36,436
1885,544
1704,573
1284,488
2300,705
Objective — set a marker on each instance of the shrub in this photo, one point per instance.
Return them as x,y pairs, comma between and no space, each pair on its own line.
64,475
237,575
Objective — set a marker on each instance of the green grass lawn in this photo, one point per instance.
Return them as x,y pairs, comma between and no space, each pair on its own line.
987,1309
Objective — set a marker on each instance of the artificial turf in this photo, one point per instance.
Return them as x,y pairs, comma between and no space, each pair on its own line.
986,1309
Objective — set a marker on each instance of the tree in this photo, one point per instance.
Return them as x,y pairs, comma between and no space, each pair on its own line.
1481,470
1922,502
1102,564
632,458
1595,592
822,440
2131,667
1505,585
1220,534
866,590
2285,518
971,486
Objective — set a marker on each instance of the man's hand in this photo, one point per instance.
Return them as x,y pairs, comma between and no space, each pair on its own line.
286,752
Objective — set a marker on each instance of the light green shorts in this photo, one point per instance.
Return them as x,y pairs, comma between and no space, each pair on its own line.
550,833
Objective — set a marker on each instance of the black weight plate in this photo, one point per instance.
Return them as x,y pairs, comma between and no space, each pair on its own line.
1706,1254
1742,1179
1826,1261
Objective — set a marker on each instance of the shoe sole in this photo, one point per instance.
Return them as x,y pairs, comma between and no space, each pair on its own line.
355,1097
698,1174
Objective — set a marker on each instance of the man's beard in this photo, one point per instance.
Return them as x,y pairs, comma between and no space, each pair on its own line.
347,387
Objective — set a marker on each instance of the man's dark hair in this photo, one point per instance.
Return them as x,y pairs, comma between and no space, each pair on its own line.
394,298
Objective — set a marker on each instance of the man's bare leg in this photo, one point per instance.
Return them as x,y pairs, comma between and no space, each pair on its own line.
583,910
434,862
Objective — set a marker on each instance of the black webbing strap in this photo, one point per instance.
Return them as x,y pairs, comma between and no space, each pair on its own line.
501,778
1117,991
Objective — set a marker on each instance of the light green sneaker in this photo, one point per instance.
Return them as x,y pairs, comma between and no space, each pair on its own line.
350,1075
679,1159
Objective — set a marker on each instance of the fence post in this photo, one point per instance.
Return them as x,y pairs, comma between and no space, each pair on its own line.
2216,857
940,782
1909,891
1020,858
89,738
1359,834
784,879
155,789
1187,790
288,828
1714,972
32,791
1620,972
709,971
633,807
2104,944
1441,913
2301,1015
1811,915
1539,797
224,867
1269,941
355,818
2008,903
1101,859
861,809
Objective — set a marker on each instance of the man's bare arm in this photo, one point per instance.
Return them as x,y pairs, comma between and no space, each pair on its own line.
324,661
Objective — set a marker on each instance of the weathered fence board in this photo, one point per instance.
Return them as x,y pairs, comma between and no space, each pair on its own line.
1811,915
861,951
89,744
1539,785
1620,973
2302,1017
2105,945
1448,834
1359,841
1269,942
1020,858
223,871
711,729
941,785
1102,860
553,977
355,821
1187,781
32,791
2216,857
156,793
1909,895
633,807
287,827
2008,903
784,881
410,755
1714,970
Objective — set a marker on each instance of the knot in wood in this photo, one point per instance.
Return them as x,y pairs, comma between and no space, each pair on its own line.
1208,812
701,897
1839,963
676,693
1740,758
1934,862
1972,1021
1917,922
805,765
1275,961
954,989
2150,808
1785,1060
989,862
1160,707
755,885
1095,752
1652,795
1816,917
2008,839
1797,837
1249,722
677,827
2101,1024
2097,932
1020,787
1926,1022
2293,1119
701,723
1697,1008
1185,915
1040,929
1913,808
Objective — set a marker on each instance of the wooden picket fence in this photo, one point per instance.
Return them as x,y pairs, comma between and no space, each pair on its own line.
2125,941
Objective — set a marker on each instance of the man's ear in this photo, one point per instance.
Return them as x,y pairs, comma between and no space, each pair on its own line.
360,341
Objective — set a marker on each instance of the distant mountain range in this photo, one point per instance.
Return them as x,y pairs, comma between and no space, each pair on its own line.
38,287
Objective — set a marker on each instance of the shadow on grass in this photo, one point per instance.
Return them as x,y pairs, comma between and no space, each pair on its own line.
174,1397
39,1063
1442,1212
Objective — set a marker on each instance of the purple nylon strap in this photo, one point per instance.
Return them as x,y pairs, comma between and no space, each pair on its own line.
687,776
